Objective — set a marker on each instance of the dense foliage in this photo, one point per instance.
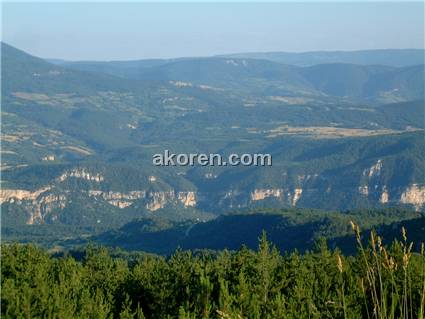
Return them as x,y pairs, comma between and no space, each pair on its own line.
287,229
326,126
376,283
160,233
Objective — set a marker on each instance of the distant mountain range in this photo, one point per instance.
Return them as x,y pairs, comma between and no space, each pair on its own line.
376,74
78,137
390,57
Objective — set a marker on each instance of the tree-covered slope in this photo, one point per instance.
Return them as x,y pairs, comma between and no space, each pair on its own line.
77,145
368,82
288,230
241,284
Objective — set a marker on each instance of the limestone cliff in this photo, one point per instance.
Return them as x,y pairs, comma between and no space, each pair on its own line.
414,195
37,204
374,170
261,193
188,199
291,197
83,174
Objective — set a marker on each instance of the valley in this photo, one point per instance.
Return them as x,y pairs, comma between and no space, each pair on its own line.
78,140
214,160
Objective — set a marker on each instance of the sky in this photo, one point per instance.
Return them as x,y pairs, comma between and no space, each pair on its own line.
127,31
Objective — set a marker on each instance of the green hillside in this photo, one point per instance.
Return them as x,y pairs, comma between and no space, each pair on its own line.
77,145
288,230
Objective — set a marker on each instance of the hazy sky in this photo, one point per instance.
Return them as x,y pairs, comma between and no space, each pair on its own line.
112,31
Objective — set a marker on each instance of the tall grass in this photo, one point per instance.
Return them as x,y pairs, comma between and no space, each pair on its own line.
387,283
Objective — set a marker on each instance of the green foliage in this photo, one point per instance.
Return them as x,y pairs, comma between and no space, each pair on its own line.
56,119
378,282
287,229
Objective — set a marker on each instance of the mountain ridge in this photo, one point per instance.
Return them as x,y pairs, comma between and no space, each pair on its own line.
77,146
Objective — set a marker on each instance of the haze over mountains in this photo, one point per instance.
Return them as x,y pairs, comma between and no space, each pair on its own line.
390,57
345,130
362,74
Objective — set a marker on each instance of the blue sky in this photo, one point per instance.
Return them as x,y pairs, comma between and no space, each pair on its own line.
112,31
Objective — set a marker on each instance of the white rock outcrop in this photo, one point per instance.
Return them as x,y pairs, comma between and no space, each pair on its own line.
384,196
83,174
37,204
374,170
364,190
188,199
414,195
297,195
260,194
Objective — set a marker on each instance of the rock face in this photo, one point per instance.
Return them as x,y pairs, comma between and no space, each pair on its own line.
45,204
374,170
38,203
414,195
364,190
297,195
384,196
260,194
158,200
371,184
120,200
188,199
154,200
83,174
48,158
41,202
10,195
291,197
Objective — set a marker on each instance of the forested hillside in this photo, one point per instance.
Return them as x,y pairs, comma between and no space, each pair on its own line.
195,160
383,282
288,230
77,145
